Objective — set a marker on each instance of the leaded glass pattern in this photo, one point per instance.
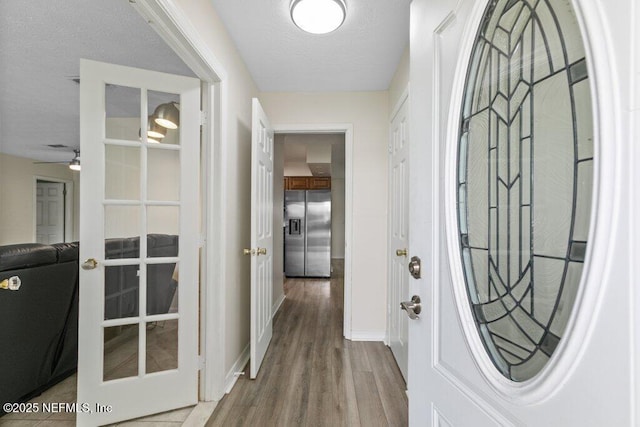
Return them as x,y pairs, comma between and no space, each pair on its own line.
525,178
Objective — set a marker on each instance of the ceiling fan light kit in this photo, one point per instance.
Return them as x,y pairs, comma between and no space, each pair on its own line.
74,164
318,16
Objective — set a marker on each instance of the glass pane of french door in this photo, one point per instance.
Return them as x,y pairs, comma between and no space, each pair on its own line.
142,232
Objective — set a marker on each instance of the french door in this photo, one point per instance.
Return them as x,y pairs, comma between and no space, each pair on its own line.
138,329
521,146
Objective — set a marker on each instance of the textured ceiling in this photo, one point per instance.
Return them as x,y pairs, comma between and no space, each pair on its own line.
359,56
41,42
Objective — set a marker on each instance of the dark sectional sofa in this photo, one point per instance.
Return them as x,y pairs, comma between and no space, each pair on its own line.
121,282
39,332
39,322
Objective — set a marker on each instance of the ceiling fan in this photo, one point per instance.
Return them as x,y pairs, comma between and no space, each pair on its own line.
74,164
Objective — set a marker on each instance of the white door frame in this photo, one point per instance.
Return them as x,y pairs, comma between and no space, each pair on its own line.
68,206
347,130
178,32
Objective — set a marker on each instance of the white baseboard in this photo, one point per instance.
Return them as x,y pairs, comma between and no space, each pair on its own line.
231,378
368,335
277,305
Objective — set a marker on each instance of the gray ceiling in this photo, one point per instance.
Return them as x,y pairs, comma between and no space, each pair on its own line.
41,42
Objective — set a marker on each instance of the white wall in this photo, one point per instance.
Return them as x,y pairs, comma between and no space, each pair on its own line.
368,112
17,186
400,79
337,217
297,169
337,199
236,161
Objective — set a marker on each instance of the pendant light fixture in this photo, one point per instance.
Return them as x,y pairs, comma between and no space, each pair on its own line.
155,132
318,16
167,115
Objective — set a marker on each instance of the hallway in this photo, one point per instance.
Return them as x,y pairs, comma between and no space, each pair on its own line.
311,375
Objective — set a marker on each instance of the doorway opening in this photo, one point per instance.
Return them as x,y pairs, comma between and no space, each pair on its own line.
53,210
318,155
313,223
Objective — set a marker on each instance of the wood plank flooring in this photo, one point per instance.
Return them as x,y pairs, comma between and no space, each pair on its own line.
311,376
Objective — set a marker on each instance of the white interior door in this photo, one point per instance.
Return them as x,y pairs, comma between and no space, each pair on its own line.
399,233
138,328
261,235
50,212
520,214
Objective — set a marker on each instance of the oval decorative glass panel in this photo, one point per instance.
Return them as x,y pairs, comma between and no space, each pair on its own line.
525,178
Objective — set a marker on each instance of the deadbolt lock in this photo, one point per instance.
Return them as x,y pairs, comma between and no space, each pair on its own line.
401,252
415,266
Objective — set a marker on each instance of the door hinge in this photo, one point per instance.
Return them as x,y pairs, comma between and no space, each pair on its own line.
390,149
202,241
201,363
203,118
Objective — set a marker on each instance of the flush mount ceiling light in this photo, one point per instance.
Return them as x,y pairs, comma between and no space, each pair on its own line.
318,16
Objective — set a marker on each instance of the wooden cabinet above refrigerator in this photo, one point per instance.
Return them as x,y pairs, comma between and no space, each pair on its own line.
307,183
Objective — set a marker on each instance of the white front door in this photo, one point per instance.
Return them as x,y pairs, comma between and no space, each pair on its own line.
50,212
138,320
520,184
399,232
261,235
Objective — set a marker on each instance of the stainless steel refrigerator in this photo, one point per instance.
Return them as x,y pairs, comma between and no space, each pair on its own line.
307,233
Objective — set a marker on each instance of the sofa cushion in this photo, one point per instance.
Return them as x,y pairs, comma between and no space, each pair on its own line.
66,251
25,255
162,245
119,248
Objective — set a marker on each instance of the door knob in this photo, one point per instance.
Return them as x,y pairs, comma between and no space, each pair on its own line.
401,252
413,307
89,264
259,251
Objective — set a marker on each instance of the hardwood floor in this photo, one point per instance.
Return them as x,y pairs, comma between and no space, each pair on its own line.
311,376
